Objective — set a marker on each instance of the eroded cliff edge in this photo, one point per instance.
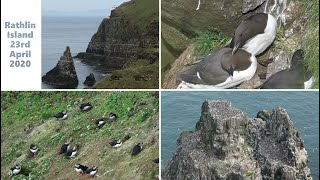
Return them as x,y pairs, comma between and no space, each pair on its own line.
226,144
127,44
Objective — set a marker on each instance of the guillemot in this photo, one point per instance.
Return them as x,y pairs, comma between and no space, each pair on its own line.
61,115
220,70
255,34
291,78
86,106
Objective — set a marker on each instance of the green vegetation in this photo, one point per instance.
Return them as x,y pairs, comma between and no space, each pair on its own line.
311,40
141,12
139,74
209,40
26,118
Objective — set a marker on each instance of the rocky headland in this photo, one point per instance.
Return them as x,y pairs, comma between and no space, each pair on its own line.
128,35
63,75
226,144
180,28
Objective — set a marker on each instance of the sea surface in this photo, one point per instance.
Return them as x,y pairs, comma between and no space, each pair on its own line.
181,110
58,32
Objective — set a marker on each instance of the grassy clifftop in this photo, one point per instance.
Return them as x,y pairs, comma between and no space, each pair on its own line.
26,118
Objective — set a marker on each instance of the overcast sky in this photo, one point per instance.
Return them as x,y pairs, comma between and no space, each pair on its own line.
79,5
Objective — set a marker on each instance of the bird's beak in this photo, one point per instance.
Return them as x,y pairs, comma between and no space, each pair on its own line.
235,48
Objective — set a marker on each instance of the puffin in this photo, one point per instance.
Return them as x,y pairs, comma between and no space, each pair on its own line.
291,78
61,115
32,150
112,116
65,147
101,122
80,169
91,171
136,149
255,34
71,152
86,107
116,143
219,70
15,170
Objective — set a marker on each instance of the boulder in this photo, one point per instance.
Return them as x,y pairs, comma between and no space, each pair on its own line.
63,75
90,80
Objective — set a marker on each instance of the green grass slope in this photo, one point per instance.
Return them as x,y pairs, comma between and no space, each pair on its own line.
311,40
26,117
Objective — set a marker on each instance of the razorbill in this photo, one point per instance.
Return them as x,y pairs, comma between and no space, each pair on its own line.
116,143
255,34
291,78
101,122
65,147
91,171
86,106
61,115
80,169
219,70
136,149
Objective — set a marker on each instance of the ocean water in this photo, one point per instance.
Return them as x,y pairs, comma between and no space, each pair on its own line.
75,32
181,110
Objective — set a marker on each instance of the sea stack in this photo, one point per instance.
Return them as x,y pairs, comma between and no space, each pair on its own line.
64,74
90,80
226,144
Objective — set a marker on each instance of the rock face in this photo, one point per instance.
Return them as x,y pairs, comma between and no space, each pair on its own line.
90,80
63,75
228,145
119,38
226,16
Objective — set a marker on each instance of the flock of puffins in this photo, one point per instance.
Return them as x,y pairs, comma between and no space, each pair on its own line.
71,152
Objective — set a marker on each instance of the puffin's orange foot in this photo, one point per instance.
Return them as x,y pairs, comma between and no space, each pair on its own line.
79,174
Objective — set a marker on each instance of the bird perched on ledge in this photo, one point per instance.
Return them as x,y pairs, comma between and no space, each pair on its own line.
255,34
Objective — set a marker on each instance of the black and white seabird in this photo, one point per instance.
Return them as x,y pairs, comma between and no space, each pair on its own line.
72,152
86,106
219,70
91,171
61,115
15,170
32,150
101,122
136,149
292,78
65,147
80,169
116,143
255,34
112,116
